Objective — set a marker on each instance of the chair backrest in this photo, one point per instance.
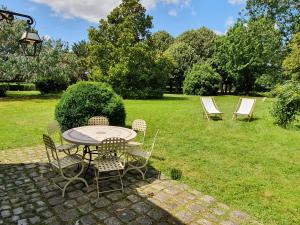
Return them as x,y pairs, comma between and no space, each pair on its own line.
50,148
111,148
209,105
98,120
246,106
54,129
139,126
153,145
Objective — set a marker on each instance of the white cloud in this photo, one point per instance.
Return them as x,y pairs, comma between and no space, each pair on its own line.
236,2
173,12
218,32
93,10
46,37
229,21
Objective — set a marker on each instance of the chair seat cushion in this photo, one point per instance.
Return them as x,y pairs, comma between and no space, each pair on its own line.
105,165
67,161
138,153
134,144
66,147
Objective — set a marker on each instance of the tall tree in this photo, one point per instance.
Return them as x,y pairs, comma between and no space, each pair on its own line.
162,40
81,51
202,40
251,51
286,14
291,64
121,53
183,57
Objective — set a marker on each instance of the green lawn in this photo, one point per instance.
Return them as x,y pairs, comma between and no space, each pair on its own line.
252,166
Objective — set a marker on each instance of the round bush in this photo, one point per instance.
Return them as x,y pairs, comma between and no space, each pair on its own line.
84,100
287,105
201,80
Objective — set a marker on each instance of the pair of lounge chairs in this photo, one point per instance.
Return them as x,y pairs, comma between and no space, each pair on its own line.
245,107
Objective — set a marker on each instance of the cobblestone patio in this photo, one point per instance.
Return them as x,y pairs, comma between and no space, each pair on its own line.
28,197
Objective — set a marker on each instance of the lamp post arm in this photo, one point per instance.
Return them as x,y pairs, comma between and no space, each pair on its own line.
10,15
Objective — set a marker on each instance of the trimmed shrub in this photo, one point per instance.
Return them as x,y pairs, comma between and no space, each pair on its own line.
201,80
84,100
287,105
3,89
22,87
46,86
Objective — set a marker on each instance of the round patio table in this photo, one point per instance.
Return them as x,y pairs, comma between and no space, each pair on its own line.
94,135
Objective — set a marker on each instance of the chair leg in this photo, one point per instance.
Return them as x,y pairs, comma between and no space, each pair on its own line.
120,177
97,183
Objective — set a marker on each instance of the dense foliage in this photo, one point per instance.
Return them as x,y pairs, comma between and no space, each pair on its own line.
122,54
287,105
183,57
202,79
162,40
14,67
202,40
251,51
291,64
284,13
84,100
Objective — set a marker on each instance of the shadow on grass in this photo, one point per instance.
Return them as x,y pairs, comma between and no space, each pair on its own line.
247,120
30,97
174,98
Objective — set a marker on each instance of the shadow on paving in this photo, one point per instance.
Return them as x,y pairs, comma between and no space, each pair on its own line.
28,197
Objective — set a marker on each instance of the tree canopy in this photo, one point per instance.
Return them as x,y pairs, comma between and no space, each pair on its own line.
122,54
291,64
250,51
285,13
162,40
202,40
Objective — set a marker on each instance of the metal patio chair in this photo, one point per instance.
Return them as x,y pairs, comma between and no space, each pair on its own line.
139,126
54,131
139,158
111,157
98,120
61,164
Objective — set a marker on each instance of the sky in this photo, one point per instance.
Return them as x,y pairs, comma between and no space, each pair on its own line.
70,20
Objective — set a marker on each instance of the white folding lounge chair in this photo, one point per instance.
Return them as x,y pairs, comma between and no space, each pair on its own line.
245,107
209,107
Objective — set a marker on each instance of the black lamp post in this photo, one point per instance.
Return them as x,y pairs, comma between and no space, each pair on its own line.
30,42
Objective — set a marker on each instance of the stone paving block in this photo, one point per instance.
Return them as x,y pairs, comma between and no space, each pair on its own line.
204,222
125,215
144,220
102,202
185,216
87,220
100,214
141,207
133,198
112,221
68,215
114,196
23,222
86,208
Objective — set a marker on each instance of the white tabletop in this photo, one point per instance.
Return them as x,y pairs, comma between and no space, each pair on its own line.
93,135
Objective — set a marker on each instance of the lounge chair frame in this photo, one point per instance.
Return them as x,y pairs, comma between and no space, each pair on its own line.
206,113
250,115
